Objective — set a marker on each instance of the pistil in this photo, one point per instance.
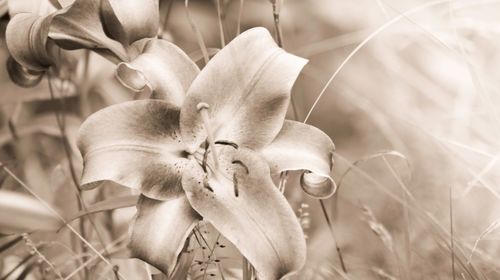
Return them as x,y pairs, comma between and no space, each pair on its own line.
202,108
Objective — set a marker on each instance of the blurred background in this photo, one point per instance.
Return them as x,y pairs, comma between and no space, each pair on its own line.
409,94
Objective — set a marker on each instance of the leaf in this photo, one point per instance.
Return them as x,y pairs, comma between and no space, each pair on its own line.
22,213
300,146
44,124
247,86
257,219
14,265
107,205
10,243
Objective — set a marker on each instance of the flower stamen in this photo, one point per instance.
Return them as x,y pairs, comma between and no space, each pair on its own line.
235,179
202,108
239,162
235,184
227,143
205,157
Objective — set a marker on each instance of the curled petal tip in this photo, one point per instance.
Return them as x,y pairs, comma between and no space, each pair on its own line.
317,186
299,146
131,78
26,37
22,76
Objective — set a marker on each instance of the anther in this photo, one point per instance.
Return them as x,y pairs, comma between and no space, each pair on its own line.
202,108
207,186
235,183
227,143
239,162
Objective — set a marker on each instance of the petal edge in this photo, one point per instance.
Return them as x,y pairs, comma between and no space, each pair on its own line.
300,146
135,144
160,231
247,86
257,218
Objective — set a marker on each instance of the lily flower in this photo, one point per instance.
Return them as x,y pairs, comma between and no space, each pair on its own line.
26,37
213,156
124,32
112,28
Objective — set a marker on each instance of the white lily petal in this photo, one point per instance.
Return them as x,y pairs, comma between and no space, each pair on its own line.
247,87
135,144
300,146
131,20
160,231
37,7
164,67
253,215
79,26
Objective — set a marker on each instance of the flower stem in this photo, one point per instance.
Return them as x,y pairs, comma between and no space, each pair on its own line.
330,227
199,36
221,27
277,25
238,25
57,215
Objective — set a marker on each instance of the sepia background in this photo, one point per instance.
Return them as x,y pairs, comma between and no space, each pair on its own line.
409,94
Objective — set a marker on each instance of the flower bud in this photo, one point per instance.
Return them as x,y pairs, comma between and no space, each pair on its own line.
131,20
26,38
22,76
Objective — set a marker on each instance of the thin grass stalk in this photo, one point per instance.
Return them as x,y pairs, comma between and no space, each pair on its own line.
332,233
61,122
56,214
165,11
62,127
21,263
277,24
439,231
221,27
95,257
452,236
246,270
406,221
238,21
364,42
199,36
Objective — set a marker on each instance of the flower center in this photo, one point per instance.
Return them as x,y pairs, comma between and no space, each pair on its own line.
213,167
